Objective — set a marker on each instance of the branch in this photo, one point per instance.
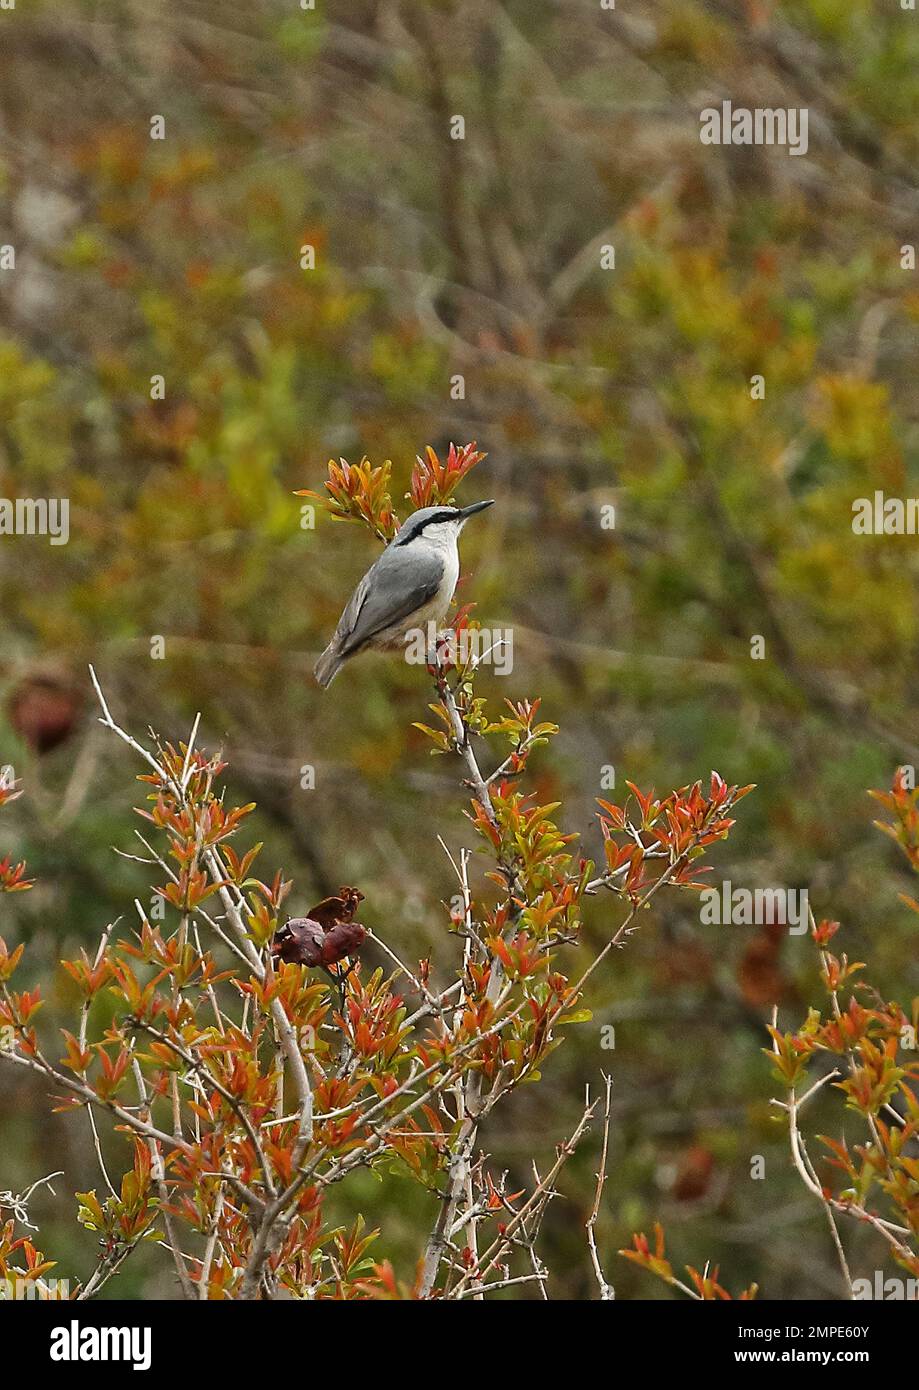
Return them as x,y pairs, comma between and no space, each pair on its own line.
607,1291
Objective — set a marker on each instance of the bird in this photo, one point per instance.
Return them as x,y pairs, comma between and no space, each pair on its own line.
410,584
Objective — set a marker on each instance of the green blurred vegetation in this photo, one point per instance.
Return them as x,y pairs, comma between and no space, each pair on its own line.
180,258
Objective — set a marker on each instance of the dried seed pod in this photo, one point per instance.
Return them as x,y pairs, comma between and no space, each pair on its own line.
337,909
44,710
326,935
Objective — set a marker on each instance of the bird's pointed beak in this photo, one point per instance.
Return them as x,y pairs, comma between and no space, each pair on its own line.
467,512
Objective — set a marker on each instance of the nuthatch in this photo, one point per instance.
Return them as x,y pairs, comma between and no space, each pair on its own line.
411,583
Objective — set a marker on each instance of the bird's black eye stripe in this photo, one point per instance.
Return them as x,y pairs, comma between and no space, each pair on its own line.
445,514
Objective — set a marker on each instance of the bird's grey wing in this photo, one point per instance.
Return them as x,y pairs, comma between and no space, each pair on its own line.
392,590
349,617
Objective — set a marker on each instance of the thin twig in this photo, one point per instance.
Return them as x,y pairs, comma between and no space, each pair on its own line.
607,1291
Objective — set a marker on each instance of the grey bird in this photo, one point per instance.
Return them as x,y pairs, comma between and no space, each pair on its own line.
411,584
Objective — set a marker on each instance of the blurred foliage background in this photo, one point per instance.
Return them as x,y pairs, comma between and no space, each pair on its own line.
588,387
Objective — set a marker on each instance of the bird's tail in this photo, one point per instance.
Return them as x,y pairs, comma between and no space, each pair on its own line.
328,665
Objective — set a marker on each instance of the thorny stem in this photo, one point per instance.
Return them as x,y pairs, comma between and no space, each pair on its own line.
537,1198
607,1291
470,1092
159,1177
888,1229
469,1097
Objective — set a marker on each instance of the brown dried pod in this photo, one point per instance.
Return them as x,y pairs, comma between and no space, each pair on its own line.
337,909
325,936
44,710
299,942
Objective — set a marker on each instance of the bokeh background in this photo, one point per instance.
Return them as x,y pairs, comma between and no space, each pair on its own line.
588,387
